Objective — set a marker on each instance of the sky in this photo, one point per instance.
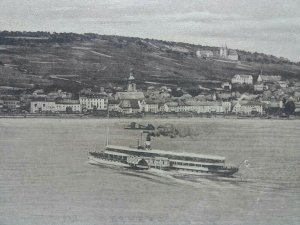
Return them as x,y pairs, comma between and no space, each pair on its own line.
268,26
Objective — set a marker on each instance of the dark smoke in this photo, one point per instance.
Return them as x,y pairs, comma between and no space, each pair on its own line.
173,131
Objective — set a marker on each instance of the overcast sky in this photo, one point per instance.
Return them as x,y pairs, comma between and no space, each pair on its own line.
269,26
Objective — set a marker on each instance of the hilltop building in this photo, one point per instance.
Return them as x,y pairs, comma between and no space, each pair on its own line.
228,54
204,54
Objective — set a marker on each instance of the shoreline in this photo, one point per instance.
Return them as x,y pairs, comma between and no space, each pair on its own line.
155,117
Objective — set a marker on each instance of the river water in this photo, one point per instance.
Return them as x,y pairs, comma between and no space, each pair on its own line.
45,177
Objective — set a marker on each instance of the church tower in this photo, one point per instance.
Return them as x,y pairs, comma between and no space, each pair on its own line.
131,83
224,52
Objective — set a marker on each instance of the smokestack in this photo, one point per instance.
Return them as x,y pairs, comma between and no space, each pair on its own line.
148,142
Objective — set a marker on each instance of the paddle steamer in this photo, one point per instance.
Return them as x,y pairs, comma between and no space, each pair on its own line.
145,158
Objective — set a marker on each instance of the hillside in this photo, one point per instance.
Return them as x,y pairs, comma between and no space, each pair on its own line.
41,58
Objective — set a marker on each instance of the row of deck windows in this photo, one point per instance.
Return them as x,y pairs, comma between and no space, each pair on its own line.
174,157
187,164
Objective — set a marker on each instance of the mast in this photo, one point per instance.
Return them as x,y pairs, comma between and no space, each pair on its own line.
107,136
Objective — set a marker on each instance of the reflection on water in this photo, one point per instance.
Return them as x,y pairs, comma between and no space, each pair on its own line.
45,177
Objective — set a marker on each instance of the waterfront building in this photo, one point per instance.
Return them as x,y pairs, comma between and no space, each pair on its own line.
67,105
149,106
114,105
297,108
130,106
248,107
163,107
273,107
93,102
42,105
10,102
199,106
172,106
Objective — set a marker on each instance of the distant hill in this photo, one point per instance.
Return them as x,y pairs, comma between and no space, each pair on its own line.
68,59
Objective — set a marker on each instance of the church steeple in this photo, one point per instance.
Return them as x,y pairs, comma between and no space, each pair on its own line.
131,82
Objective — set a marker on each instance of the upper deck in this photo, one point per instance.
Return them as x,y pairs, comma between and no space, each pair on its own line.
167,154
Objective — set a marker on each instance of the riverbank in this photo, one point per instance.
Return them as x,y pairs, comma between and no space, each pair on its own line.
170,116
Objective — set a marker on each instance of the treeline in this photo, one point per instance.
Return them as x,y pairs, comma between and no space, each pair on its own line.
263,58
24,37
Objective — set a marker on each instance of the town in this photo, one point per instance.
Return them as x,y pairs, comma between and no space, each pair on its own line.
255,95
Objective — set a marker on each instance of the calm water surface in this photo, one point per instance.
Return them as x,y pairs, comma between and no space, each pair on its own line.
45,178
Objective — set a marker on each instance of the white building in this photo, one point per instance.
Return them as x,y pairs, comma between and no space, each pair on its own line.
94,102
62,106
226,86
199,107
242,79
248,108
268,78
42,106
163,108
228,54
259,87
68,106
233,55
204,54
149,106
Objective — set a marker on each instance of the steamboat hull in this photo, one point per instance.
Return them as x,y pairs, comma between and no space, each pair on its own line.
140,163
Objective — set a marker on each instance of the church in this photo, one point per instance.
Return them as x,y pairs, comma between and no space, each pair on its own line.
130,100
229,54
132,92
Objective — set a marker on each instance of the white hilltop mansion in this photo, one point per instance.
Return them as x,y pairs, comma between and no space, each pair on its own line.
204,54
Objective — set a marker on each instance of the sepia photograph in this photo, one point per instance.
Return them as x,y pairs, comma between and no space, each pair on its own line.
149,112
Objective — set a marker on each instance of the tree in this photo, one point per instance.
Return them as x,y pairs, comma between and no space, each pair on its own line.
289,108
